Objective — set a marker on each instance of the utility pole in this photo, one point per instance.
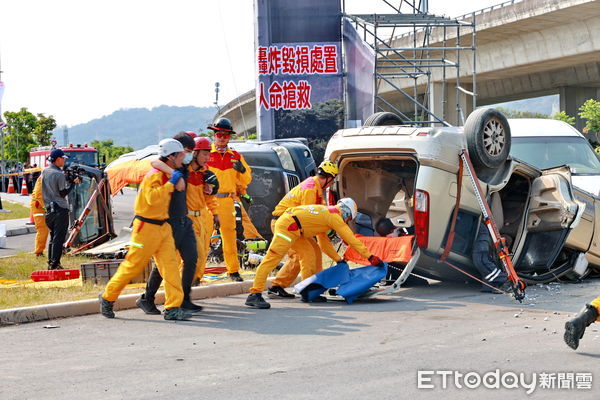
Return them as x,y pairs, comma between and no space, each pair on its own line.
66,136
216,103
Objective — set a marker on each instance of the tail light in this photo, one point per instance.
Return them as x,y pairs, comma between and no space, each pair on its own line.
422,218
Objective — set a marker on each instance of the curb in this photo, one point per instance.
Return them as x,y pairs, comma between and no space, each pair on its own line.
85,307
20,231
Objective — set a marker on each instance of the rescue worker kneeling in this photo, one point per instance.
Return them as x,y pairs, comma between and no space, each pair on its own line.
307,221
309,191
152,237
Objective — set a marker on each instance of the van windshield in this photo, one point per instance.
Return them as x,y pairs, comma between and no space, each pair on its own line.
81,157
548,152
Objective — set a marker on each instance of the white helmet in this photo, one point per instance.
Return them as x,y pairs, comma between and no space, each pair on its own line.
348,207
166,147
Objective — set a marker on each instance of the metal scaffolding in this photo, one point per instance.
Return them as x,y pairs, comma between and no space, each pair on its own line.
414,50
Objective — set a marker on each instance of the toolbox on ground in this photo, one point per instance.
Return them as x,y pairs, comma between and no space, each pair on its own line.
54,275
100,272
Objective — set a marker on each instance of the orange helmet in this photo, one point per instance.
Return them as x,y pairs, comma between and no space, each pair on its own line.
202,143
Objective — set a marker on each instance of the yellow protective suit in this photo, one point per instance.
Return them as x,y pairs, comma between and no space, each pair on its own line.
307,192
596,303
200,205
39,217
315,220
151,240
231,184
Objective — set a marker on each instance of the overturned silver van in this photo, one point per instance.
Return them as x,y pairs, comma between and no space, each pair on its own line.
409,175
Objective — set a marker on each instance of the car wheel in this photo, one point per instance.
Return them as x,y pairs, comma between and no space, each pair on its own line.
383,119
488,138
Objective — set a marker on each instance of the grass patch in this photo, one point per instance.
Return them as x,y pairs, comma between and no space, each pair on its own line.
20,266
16,211
24,296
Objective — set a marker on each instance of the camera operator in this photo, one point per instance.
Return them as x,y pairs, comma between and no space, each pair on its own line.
54,193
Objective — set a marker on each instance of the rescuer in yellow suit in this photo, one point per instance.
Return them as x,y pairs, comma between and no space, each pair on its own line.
202,186
309,191
307,221
152,237
39,218
575,328
234,176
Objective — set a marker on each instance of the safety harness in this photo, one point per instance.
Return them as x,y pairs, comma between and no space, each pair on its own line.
158,222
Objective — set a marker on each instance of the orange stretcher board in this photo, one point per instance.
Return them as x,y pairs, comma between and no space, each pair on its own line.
394,249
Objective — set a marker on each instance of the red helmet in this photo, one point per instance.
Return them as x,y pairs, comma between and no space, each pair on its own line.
202,143
192,134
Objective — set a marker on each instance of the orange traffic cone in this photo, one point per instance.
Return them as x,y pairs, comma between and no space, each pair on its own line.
11,187
24,191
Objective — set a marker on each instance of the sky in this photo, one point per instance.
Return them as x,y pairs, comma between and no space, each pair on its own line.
80,60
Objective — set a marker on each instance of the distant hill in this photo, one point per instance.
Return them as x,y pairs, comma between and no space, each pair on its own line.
140,127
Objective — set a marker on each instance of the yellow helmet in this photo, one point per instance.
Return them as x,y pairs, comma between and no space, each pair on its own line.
329,168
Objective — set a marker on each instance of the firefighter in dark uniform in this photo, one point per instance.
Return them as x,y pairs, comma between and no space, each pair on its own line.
54,193
485,261
183,234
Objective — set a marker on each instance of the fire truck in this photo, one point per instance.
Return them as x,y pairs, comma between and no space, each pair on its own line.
90,218
77,153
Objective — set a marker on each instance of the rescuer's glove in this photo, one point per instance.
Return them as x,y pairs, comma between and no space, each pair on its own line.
239,167
246,197
211,179
175,177
376,261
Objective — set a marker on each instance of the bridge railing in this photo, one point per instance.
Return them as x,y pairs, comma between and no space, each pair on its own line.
490,8
467,15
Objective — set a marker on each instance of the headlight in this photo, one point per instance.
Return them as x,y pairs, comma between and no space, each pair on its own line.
284,156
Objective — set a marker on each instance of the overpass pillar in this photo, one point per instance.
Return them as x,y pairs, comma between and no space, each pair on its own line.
573,97
449,105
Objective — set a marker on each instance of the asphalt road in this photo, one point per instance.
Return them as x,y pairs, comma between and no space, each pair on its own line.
122,216
371,349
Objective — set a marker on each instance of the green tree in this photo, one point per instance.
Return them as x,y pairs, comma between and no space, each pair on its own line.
43,129
563,116
590,111
25,130
19,139
316,124
109,151
509,113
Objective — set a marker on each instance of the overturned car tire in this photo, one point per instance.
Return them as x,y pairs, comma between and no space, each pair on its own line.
488,138
383,119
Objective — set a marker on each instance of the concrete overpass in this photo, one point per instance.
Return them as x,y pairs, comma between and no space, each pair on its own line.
525,49
242,112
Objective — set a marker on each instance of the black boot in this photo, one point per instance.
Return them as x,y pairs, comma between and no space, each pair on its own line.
575,328
189,306
106,307
147,305
276,292
255,300
236,277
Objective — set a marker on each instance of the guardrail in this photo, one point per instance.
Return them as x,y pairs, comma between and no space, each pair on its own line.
467,15
490,8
